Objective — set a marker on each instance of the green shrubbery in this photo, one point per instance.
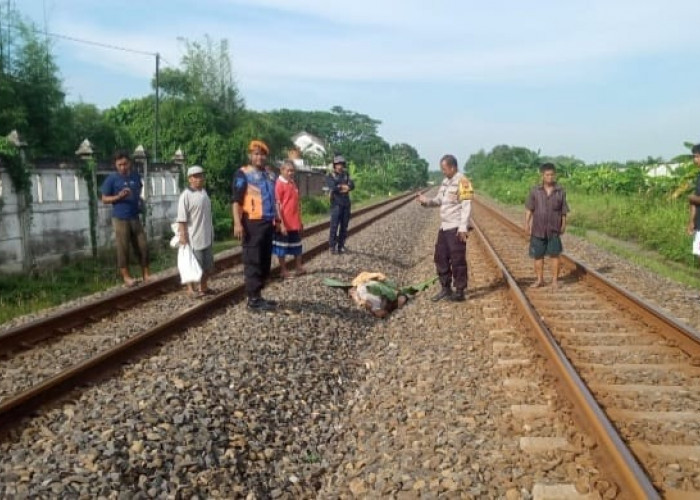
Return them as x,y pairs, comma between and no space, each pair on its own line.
315,205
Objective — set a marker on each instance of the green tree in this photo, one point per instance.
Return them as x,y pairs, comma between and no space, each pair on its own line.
31,95
87,121
39,91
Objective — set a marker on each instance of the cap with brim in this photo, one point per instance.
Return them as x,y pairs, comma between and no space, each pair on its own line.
339,159
196,169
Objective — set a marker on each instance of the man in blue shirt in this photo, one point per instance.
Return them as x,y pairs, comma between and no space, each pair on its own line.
122,190
339,186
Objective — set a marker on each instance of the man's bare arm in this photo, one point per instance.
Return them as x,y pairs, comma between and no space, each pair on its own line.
528,221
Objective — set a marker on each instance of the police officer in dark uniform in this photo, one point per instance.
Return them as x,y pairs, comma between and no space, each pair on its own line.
339,185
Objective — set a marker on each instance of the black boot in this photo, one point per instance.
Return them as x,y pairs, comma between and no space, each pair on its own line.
445,293
260,304
458,296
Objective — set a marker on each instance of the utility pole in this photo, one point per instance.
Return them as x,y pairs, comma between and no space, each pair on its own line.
2,42
155,134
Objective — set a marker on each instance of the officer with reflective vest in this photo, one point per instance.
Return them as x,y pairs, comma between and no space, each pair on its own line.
454,199
253,207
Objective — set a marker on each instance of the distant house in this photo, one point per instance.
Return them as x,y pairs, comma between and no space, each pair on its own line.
663,170
311,147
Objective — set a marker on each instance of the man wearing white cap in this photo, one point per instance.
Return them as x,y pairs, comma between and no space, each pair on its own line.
196,226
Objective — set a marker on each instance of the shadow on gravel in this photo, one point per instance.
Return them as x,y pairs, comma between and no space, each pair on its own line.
476,293
359,317
382,258
228,273
327,272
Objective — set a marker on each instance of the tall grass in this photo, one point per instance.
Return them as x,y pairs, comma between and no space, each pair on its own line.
26,293
653,223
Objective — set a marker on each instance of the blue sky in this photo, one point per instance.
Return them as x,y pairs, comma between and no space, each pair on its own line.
597,79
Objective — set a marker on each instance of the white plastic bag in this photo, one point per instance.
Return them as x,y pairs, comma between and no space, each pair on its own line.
696,243
190,270
175,240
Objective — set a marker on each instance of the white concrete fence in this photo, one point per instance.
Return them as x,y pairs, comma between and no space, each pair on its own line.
57,227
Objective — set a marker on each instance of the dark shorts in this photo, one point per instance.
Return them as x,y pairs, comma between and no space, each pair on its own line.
287,245
539,247
205,257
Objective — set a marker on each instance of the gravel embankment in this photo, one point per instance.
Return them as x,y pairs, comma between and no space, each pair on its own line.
247,403
319,400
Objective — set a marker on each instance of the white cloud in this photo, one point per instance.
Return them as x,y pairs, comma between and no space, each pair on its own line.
397,40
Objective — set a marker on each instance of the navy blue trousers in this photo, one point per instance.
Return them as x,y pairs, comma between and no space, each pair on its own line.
340,218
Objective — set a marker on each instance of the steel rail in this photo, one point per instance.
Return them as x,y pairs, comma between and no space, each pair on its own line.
20,405
631,474
24,335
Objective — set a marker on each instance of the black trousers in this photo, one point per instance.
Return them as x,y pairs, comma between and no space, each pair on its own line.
451,259
340,218
257,254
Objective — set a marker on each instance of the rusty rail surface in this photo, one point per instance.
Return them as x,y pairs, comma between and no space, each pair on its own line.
63,322
20,405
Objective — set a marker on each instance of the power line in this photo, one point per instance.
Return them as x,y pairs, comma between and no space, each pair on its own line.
84,41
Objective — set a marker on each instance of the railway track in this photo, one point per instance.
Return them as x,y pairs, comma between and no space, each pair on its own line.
631,372
46,358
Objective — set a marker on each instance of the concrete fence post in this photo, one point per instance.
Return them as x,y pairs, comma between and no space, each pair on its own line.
141,157
85,153
24,208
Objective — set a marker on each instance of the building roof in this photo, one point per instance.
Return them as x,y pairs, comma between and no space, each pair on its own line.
319,142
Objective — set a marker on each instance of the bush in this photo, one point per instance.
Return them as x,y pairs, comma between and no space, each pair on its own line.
221,213
513,193
357,196
222,228
315,205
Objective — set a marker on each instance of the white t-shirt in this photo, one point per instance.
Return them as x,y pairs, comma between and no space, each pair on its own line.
364,296
194,208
